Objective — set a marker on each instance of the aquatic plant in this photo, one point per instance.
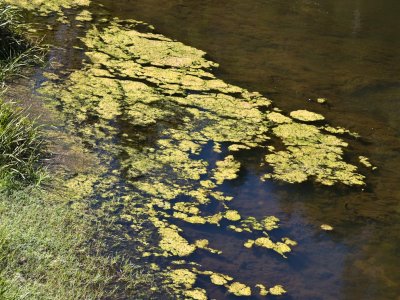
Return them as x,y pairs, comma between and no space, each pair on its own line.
326,227
306,116
239,289
311,153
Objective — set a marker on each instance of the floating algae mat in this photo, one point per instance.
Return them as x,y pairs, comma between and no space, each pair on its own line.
45,7
155,104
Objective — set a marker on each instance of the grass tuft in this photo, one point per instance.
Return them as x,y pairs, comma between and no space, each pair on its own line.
17,52
49,250
20,141
21,149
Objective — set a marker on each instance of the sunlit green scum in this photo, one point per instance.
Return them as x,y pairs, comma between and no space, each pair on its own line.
311,153
306,116
45,7
174,106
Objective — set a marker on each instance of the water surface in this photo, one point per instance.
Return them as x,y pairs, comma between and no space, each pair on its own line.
294,52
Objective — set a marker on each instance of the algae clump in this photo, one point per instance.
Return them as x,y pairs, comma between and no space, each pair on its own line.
311,153
196,294
277,290
173,243
239,289
45,7
183,277
278,118
226,169
267,243
365,161
306,116
232,215
263,289
220,279
326,227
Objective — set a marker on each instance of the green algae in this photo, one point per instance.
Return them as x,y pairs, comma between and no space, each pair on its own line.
165,93
183,277
306,116
45,7
220,279
289,242
276,290
249,244
235,287
203,244
270,223
265,242
173,243
278,118
84,16
196,294
251,224
232,215
263,290
226,169
365,161
326,227
81,185
311,153
239,289
340,130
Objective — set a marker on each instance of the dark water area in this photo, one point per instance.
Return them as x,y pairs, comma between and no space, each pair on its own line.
294,52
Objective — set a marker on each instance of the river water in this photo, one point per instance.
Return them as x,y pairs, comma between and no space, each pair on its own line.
294,52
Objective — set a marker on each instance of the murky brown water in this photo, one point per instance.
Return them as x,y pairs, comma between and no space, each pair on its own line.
292,51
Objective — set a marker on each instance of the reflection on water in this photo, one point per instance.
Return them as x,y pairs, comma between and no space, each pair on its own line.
293,51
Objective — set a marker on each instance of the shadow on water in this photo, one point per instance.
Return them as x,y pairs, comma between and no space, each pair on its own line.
294,51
